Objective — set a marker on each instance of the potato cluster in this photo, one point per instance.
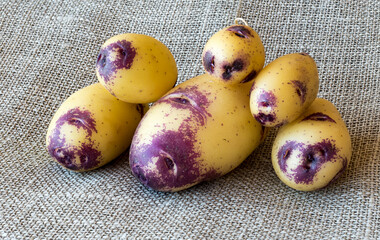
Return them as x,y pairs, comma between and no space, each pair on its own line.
206,126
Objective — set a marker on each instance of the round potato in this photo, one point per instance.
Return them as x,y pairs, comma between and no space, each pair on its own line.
284,89
234,54
199,131
91,128
314,150
136,68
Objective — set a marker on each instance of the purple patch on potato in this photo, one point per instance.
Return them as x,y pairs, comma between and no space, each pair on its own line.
174,154
190,98
263,118
240,31
313,157
124,56
249,77
88,156
79,119
228,69
266,100
63,152
64,156
209,62
175,157
319,117
300,89
284,153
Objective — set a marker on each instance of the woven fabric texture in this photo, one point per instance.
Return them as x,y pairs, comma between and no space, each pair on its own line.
48,51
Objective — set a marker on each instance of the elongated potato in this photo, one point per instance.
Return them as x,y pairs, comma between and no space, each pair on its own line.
284,89
200,130
314,150
136,68
91,128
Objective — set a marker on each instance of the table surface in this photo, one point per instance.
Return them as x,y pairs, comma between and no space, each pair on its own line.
48,51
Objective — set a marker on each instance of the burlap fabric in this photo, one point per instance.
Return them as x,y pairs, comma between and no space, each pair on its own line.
48,51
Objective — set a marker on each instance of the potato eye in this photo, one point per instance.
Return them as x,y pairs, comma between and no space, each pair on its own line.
310,157
83,158
239,34
240,31
212,64
319,117
298,92
264,103
58,152
101,60
99,57
76,121
181,100
169,163
286,154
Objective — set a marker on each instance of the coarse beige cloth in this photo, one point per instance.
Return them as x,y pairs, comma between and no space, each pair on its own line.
48,51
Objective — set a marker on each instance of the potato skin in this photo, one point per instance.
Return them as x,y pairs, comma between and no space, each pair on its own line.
284,89
91,128
314,150
136,68
200,130
234,55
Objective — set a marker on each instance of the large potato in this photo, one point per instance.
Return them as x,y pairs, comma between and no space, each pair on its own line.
234,54
199,131
314,150
284,89
91,128
136,68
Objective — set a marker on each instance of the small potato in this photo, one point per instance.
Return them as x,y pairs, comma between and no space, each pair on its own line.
199,131
91,128
136,68
234,55
284,89
314,150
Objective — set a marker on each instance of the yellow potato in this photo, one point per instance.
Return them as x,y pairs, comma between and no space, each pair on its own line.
136,68
91,128
199,131
284,89
234,54
314,150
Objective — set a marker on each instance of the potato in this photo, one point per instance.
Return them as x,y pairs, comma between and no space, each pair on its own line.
136,68
91,128
234,55
284,89
314,150
199,131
